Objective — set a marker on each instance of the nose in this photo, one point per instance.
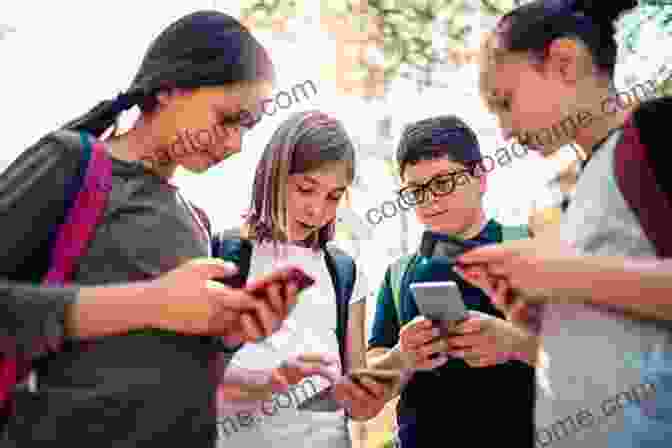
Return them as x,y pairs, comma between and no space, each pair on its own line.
314,210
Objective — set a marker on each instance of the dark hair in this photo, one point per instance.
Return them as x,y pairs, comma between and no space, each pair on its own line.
305,141
533,26
435,138
205,48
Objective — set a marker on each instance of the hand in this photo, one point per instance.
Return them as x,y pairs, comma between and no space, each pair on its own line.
484,341
294,370
517,275
418,341
186,300
363,399
531,266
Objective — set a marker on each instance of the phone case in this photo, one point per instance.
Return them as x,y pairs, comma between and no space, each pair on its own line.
439,301
300,278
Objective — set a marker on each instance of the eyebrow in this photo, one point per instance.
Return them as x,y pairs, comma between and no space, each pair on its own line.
316,182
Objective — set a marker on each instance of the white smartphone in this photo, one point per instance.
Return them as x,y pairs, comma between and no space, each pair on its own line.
440,301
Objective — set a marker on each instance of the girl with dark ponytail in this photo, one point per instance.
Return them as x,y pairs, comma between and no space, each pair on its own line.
547,73
197,89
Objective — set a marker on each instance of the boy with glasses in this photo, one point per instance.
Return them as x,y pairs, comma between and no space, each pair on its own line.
479,376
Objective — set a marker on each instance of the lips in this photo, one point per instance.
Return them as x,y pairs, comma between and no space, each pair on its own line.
306,226
437,214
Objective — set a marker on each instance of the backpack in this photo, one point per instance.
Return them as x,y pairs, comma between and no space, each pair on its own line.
230,246
86,199
404,264
643,193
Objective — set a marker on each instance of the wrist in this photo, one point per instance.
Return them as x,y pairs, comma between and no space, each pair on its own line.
527,350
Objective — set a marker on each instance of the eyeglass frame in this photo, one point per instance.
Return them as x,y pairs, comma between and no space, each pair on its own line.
424,187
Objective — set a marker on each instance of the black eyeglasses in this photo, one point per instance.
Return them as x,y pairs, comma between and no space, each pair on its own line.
440,185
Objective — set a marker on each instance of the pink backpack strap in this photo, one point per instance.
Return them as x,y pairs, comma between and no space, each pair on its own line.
637,182
84,215
71,242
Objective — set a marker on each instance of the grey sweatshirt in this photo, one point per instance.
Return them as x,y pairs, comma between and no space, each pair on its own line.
130,390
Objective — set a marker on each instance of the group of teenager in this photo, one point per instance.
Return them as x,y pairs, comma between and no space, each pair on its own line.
165,323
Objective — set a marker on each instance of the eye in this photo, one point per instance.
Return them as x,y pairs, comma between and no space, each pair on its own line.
337,197
230,120
304,190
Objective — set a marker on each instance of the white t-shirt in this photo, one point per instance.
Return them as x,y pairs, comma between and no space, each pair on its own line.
311,327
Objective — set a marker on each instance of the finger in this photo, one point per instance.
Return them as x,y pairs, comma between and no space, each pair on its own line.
431,364
461,342
470,326
269,322
320,358
438,346
226,298
490,253
372,387
291,298
251,329
417,339
278,276
274,299
355,391
502,296
209,268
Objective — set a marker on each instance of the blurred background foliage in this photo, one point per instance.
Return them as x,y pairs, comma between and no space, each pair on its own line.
403,28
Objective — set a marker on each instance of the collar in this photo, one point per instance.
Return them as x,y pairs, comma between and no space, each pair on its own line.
489,234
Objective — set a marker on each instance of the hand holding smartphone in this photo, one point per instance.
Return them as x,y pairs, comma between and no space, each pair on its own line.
388,377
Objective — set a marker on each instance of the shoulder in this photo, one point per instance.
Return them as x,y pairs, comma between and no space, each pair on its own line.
57,149
43,169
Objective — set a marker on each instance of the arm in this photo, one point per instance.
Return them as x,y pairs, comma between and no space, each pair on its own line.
640,287
382,352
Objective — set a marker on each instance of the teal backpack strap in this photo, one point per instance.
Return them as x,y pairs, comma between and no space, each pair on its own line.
397,271
343,274
515,232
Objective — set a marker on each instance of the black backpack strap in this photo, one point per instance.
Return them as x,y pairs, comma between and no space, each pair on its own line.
343,274
639,173
229,246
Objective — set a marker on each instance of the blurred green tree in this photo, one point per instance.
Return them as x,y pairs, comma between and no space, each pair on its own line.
406,26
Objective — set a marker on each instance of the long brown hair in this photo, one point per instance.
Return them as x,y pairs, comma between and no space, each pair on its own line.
304,142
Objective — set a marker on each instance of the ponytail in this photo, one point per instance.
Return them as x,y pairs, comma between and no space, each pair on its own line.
102,116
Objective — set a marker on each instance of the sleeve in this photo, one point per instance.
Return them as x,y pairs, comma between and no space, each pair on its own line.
32,200
385,329
361,289
32,318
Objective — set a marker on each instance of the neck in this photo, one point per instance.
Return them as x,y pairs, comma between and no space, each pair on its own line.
602,123
472,230
133,147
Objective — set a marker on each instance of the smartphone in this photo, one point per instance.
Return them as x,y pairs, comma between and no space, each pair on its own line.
440,301
300,278
295,275
385,376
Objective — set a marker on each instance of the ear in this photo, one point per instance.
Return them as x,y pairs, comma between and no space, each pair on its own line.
563,60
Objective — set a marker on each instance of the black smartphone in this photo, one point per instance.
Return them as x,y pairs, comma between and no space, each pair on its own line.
441,245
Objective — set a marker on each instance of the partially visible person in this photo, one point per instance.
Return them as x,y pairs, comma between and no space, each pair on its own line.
480,373
565,53
201,73
304,172
561,187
